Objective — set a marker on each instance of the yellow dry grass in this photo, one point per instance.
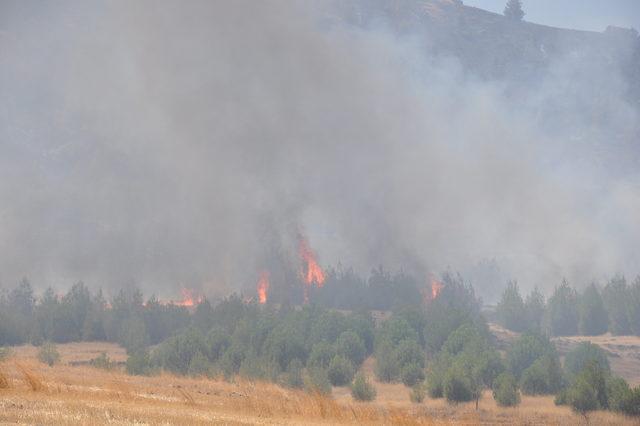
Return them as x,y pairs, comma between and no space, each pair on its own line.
85,395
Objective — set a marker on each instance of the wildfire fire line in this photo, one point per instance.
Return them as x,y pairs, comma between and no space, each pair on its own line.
263,287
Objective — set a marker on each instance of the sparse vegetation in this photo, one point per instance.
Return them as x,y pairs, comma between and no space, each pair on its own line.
505,390
102,361
361,389
48,354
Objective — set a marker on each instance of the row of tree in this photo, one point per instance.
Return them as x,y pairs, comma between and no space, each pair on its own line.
615,308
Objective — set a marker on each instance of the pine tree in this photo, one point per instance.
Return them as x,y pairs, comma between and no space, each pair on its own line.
513,10
593,318
511,309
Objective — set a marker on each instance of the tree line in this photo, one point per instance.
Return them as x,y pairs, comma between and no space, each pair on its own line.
442,348
615,308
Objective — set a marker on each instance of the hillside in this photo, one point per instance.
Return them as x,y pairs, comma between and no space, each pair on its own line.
494,47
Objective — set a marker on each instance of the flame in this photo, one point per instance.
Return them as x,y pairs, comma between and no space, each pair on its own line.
314,273
189,298
436,288
263,287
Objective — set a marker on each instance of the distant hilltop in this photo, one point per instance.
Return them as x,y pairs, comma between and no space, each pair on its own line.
493,46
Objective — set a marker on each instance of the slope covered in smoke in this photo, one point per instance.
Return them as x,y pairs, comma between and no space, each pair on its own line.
192,144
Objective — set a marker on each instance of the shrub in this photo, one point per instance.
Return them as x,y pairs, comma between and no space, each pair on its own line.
340,371
457,387
588,391
321,355
543,377
4,353
618,392
417,394
387,365
505,390
586,352
630,404
435,378
526,350
293,377
582,397
139,364
48,354
103,362
351,346
217,343
317,381
362,390
412,374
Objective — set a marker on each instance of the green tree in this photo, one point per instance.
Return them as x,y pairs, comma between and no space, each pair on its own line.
294,374
562,311
199,365
458,386
340,371
362,390
584,353
526,350
321,355
543,377
634,307
534,308
412,374
387,367
513,10
616,298
317,381
139,364
582,397
588,391
593,318
511,308
351,346
505,390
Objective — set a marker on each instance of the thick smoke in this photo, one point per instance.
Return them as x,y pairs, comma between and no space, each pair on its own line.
190,143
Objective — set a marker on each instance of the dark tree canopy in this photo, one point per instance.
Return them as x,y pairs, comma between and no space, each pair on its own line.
513,10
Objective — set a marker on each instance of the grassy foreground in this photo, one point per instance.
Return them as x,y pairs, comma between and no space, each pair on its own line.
74,393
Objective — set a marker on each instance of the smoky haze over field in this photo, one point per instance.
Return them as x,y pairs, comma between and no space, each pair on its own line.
169,144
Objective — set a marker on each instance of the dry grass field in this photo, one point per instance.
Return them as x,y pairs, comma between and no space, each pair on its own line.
75,393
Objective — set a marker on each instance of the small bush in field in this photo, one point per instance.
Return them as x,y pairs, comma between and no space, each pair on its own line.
317,381
293,376
362,390
412,374
340,371
139,364
4,353
505,390
103,362
48,354
417,394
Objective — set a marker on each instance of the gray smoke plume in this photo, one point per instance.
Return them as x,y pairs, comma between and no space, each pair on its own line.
189,143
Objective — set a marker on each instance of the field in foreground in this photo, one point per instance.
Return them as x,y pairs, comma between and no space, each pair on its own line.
74,393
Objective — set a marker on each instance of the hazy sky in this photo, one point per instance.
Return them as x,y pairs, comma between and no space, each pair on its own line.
592,15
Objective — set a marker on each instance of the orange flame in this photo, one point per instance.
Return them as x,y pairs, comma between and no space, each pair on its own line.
436,288
314,273
189,299
263,287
